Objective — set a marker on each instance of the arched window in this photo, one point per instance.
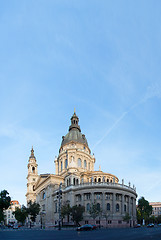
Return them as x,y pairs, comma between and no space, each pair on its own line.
67,182
79,162
66,163
99,180
34,188
43,195
95,180
88,207
77,182
61,166
107,180
33,170
117,207
125,208
111,180
98,206
73,181
108,206
85,164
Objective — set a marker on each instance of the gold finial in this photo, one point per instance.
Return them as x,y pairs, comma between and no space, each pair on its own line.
99,167
74,110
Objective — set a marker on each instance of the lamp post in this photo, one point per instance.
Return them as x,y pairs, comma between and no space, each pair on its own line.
59,196
42,214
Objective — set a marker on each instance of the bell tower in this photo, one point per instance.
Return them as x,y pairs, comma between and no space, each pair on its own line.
31,177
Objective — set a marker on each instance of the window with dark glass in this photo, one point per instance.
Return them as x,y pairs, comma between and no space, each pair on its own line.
117,207
108,206
66,163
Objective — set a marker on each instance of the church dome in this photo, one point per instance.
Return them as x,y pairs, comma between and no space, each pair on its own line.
74,134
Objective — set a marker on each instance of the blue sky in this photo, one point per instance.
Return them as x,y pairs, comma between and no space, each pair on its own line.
102,58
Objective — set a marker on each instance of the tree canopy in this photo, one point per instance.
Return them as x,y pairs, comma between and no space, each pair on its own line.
144,210
21,214
77,213
95,210
65,211
5,202
33,210
126,218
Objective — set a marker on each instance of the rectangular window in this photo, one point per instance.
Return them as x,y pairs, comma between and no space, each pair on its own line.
87,196
119,222
97,221
109,221
108,196
86,222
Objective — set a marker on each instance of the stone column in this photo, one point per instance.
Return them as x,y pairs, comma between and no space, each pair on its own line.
92,197
122,206
134,208
129,205
82,196
71,180
103,201
114,203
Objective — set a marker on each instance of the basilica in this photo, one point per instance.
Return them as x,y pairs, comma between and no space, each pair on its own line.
80,184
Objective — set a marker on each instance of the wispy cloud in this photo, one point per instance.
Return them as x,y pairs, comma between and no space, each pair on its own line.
152,91
110,129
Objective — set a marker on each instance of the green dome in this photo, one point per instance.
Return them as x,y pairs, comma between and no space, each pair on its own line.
74,134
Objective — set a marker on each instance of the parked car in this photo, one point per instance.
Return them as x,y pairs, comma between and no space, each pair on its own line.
15,226
86,227
94,227
159,224
150,225
137,226
10,225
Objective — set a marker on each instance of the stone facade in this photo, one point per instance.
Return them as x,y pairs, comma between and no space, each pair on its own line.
156,211
8,213
82,185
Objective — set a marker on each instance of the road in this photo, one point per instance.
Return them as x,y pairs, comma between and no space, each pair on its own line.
102,234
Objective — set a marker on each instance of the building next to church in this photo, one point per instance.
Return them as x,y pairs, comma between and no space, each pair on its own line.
156,208
81,184
8,213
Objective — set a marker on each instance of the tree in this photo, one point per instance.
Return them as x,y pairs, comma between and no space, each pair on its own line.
144,209
77,213
5,202
33,210
158,219
65,211
126,218
21,214
95,210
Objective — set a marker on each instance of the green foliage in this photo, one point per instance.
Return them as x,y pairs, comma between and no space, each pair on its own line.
158,219
65,211
33,210
21,214
144,209
5,201
126,218
95,211
1,216
152,219
77,213
138,214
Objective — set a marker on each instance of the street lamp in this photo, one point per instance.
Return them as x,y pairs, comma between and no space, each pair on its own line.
59,196
42,214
